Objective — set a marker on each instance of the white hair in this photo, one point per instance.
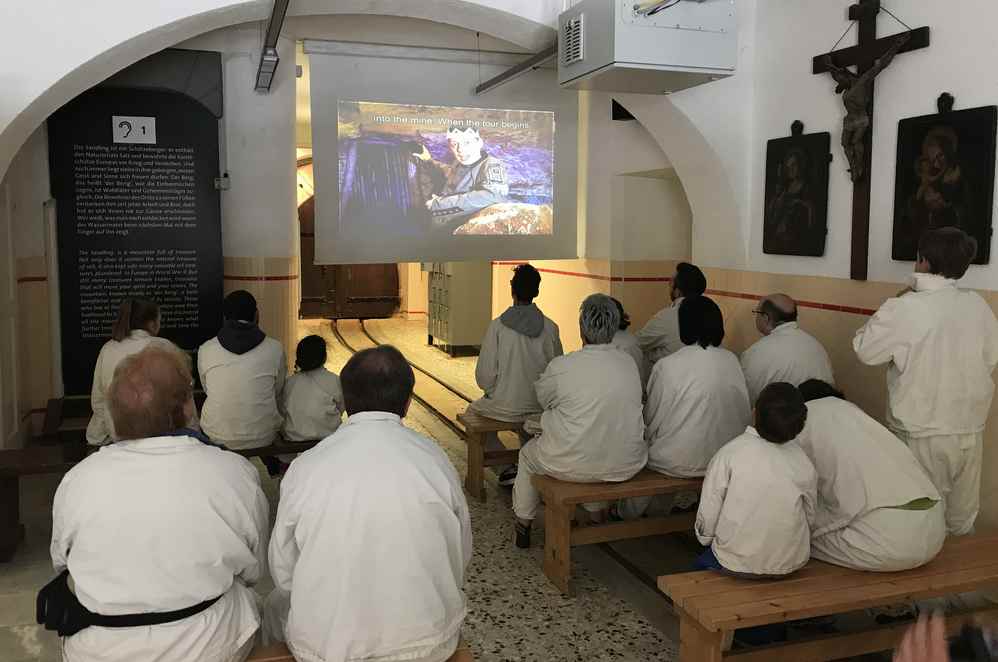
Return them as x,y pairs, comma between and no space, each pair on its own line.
599,319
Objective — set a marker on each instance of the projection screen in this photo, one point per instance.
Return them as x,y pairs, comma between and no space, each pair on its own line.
410,165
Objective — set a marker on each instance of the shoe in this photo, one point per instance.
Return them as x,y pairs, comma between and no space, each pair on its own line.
275,466
522,537
508,476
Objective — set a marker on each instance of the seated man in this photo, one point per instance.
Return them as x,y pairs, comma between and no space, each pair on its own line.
592,426
785,353
940,342
660,336
877,509
517,347
372,535
160,525
759,495
242,372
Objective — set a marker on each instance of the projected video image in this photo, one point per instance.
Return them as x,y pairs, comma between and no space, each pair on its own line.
447,171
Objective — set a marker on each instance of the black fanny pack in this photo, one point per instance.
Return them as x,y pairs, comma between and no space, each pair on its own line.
57,608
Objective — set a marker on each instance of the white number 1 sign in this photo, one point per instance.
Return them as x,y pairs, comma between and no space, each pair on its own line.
135,130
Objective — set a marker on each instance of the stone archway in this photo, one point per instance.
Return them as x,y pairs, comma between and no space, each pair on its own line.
717,225
88,42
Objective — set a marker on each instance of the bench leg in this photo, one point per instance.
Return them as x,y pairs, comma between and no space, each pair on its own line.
697,644
558,544
474,482
11,529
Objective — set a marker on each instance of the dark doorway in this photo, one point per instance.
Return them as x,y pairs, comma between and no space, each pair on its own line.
342,291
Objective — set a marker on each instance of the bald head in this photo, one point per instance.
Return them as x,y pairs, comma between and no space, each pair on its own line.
150,395
774,310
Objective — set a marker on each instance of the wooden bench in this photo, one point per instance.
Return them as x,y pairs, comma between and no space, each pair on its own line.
561,498
58,458
280,653
477,428
711,606
25,462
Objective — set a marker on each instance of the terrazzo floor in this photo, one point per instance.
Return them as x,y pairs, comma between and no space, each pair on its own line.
515,614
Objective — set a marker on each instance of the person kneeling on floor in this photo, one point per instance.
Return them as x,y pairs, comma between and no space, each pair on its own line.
759,495
372,536
593,430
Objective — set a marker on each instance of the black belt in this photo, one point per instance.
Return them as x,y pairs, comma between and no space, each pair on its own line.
57,608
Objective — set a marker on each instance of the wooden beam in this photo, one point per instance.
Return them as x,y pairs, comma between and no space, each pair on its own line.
854,54
640,528
854,644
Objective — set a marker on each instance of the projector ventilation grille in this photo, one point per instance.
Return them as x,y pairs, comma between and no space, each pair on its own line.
571,41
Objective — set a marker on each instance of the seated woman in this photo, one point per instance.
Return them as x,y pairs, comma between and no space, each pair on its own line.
592,427
137,326
697,402
313,398
160,532
877,508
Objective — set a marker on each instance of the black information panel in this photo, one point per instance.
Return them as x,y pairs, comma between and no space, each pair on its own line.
133,175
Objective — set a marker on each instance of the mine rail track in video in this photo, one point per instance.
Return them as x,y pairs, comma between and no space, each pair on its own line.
453,401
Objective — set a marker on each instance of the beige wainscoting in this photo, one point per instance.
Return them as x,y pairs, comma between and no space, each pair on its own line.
274,282
34,337
564,284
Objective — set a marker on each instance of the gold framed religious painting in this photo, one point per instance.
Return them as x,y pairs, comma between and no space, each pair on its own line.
945,177
796,215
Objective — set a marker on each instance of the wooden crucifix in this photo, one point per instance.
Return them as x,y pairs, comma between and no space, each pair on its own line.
870,56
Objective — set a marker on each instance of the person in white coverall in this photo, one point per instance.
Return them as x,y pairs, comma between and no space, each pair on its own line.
759,495
517,347
592,426
313,398
137,327
940,343
877,508
660,336
785,353
627,342
160,524
243,373
697,401
372,536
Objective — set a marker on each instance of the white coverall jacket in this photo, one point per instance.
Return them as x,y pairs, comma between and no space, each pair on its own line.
162,524
371,541
508,365
866,473
243,391
313,405
788,354
756,506
697,402
660,336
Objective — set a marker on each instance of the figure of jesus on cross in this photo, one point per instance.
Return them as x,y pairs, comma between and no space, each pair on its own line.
870,57
857,93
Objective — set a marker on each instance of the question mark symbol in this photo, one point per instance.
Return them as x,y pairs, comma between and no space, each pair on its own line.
127,126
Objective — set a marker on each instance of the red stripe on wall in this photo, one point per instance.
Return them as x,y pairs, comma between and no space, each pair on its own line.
32,279
852,310
612,279
261,279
